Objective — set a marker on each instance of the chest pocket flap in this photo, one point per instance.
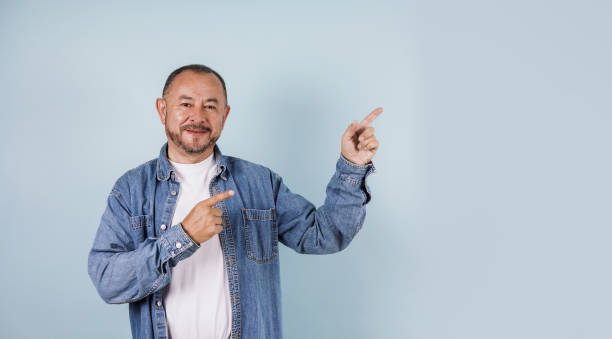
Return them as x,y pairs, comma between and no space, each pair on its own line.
140,221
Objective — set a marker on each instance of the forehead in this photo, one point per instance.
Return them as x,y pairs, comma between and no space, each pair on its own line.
196,84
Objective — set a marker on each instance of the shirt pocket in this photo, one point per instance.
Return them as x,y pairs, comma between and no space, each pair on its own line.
140,225
260,233
140,221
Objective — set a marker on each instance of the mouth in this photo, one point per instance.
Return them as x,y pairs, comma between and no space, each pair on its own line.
196,132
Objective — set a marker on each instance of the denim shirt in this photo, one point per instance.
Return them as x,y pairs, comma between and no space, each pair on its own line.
135,246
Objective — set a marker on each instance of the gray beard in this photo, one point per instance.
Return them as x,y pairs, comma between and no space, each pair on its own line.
188,149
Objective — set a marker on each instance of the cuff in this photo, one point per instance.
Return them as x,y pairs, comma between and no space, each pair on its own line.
355,174
354,171
177,244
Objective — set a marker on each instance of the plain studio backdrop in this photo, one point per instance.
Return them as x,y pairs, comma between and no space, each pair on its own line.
491,205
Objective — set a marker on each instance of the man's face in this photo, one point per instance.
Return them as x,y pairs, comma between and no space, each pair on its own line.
193,112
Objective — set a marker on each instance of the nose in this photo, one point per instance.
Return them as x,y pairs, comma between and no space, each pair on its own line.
198,114
197,119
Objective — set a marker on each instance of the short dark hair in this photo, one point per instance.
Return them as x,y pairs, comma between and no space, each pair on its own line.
195,68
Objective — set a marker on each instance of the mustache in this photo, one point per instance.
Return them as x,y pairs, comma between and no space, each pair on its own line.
199,127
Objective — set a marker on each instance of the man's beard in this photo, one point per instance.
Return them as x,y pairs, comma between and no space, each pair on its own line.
175,137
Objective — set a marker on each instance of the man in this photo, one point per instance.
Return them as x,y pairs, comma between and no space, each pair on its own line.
190,239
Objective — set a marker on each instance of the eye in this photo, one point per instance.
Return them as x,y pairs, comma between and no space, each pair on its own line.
186,104
211,107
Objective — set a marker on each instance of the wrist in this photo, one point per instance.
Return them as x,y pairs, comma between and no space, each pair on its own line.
187,231
351,162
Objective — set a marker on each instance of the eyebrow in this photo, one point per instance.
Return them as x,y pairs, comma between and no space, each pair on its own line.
207,100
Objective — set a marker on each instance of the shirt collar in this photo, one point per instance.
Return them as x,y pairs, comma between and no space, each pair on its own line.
164,168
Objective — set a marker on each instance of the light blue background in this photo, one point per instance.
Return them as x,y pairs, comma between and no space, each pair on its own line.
491,208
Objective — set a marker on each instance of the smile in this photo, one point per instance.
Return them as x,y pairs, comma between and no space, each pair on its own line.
196,132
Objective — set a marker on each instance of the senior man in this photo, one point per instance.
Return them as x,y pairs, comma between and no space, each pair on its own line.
190,239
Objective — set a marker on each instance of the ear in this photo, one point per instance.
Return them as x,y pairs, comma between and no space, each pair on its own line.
227,109
160,105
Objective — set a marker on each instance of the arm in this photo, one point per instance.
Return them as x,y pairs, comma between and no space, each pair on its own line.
123,271
331,227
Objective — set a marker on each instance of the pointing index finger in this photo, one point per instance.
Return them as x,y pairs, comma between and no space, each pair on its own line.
368,120
215,199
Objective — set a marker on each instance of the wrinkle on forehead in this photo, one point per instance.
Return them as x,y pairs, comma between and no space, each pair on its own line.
203,86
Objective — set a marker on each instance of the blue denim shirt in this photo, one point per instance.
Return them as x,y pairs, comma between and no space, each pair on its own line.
135,246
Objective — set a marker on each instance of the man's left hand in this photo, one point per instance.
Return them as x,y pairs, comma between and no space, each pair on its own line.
358,142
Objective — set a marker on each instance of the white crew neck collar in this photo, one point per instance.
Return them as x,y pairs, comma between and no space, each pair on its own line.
193,168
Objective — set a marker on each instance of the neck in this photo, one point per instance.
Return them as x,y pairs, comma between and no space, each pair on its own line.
179,156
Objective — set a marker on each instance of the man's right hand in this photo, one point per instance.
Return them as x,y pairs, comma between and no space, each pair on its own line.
204,221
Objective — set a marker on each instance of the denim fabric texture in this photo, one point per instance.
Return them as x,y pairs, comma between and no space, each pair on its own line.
135,248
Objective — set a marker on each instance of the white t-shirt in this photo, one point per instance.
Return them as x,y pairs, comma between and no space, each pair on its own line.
198,300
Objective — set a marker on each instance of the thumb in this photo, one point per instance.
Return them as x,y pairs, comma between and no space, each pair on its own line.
351,129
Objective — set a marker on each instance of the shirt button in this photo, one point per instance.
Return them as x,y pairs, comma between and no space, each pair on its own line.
173,192
159,303
163,227
178,244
